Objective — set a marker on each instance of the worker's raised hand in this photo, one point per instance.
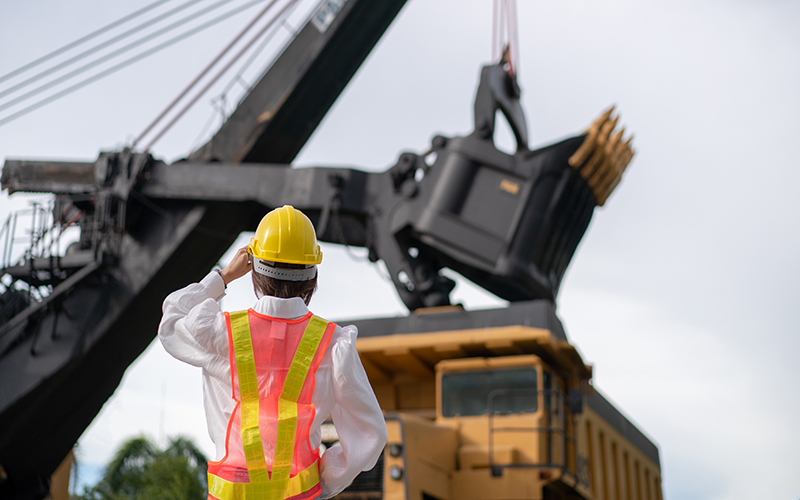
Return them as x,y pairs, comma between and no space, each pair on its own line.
238,267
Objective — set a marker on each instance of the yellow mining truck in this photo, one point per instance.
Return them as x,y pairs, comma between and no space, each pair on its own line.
501,407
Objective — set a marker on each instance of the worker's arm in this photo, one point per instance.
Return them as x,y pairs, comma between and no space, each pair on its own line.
192,327
357,417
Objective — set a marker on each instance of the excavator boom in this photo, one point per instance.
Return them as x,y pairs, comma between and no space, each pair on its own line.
508,222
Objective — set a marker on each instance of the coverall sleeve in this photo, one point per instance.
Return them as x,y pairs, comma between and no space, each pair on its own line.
357,417
193,328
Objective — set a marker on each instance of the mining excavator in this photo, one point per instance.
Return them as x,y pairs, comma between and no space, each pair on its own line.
489,404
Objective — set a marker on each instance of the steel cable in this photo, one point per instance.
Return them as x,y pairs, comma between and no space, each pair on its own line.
257,52
99,47
505,38
126,63
107,57
204,71
219,74
82,40
220,108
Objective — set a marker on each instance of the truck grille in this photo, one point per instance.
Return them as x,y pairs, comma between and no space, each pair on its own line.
366,486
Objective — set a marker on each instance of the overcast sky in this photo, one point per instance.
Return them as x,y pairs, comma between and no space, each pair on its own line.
683,291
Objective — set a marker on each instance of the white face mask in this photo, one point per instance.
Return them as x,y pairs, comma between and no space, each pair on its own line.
268,269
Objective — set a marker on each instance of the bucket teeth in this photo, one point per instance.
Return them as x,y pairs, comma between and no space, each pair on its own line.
625,158
603,156
611,154
583,152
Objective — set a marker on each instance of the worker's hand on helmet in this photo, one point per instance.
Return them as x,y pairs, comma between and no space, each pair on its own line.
238,267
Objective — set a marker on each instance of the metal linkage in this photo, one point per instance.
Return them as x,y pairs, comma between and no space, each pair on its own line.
510,223
96,213
36,278
37,236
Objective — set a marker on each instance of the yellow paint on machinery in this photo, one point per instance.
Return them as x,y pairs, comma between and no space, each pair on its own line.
602,157
445,444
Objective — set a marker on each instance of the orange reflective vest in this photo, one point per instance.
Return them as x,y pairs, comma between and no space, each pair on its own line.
267,451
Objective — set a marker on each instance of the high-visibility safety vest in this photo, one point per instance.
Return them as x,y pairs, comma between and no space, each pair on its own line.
267,451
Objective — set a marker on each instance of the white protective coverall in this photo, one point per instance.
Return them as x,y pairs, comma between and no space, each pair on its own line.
193,330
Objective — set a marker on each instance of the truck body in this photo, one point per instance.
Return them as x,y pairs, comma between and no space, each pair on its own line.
496,412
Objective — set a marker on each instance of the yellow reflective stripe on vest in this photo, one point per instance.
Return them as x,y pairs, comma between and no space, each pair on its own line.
271,490
287,415
248,390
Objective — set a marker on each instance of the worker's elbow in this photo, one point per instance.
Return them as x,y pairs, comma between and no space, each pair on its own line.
383,437
378,444
169,320
164,330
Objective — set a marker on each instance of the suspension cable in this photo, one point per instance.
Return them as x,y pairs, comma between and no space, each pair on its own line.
204,72
505,38
513,27
127,62
98,47
496,35
111,55
218,103
259,50
82,40
219,74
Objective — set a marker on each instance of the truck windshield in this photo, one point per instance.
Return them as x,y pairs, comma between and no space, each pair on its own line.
467,393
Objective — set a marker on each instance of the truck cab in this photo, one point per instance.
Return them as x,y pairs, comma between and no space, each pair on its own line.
515,423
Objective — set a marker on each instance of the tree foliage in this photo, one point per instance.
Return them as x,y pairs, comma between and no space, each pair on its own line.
140,471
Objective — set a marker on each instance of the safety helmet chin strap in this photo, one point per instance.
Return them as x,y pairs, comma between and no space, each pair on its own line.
267,268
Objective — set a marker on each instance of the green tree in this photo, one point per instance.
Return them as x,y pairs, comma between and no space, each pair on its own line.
140,471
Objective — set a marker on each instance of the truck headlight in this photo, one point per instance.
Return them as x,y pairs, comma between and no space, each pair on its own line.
396,473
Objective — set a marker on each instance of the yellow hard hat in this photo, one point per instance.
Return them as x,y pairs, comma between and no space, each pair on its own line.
286,235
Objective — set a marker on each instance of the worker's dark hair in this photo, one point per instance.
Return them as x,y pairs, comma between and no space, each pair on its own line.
264,285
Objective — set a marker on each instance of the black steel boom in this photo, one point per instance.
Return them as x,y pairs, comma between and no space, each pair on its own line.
281,112
64,357
510,223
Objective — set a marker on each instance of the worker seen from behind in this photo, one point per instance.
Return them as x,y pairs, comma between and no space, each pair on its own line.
273,374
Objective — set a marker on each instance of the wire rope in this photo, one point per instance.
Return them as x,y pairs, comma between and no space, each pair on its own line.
220,108
514,37
505,38
82,40
220,73
257,52
204,71
111,55
126,63
101,46
205,129
496,28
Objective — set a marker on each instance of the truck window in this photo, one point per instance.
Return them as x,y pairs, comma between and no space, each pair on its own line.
467,393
